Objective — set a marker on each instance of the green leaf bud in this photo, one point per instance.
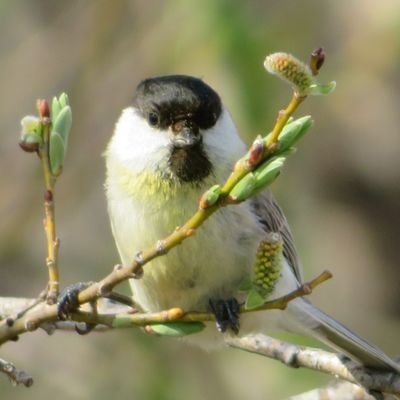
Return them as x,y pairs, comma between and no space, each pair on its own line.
254,299
293,132
56,153
267,172
210,197
59,139
31,135
177,329
55,108
30,124
244,188
63,100
321,89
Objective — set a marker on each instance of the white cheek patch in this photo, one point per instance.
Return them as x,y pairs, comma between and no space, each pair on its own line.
137,144
222,142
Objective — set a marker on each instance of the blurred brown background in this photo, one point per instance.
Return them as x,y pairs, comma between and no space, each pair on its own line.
341,190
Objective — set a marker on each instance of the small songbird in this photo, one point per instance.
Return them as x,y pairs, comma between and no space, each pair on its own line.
175,141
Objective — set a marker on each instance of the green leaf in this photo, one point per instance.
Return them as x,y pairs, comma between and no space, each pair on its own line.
55,108
212,195
321,89
32,137
63,100
56,153
177,329
293,132
244,188
63,122
254,299
59,139
30,124
267,172
58,104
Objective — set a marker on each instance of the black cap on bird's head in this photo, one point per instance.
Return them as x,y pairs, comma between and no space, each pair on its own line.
185,106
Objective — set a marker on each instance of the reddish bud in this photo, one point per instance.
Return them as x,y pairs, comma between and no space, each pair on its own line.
203,203
317,60
48,196
43,108
29,147
256,152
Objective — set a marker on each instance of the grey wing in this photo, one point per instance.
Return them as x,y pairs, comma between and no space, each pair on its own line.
273,219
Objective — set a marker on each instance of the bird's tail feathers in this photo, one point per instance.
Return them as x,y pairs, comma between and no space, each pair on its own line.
336,335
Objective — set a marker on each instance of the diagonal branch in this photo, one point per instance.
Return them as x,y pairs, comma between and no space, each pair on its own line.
298,356
340,390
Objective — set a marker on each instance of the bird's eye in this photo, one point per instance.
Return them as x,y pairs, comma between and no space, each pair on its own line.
153,119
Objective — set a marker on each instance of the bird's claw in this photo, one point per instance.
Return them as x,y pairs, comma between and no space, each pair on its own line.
226,313
85,330
68,299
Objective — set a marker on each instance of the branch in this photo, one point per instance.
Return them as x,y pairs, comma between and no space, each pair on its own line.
47,136
115,315
16,377
318,360
340,390
49,222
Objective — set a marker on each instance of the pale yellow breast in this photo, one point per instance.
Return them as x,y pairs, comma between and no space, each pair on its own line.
144,208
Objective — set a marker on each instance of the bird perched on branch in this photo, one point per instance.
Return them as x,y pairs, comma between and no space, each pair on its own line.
175,141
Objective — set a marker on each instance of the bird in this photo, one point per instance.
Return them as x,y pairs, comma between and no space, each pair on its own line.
175,140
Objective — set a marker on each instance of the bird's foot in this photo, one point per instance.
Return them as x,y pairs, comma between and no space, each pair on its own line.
68,303
226,314
68,299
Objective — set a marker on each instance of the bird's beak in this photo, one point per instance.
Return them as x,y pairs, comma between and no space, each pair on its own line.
186,136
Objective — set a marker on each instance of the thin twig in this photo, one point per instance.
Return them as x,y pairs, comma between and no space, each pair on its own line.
49,221
16,376
304,290
283,117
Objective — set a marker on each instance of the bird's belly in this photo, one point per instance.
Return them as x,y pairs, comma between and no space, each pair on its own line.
191,274
211,264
